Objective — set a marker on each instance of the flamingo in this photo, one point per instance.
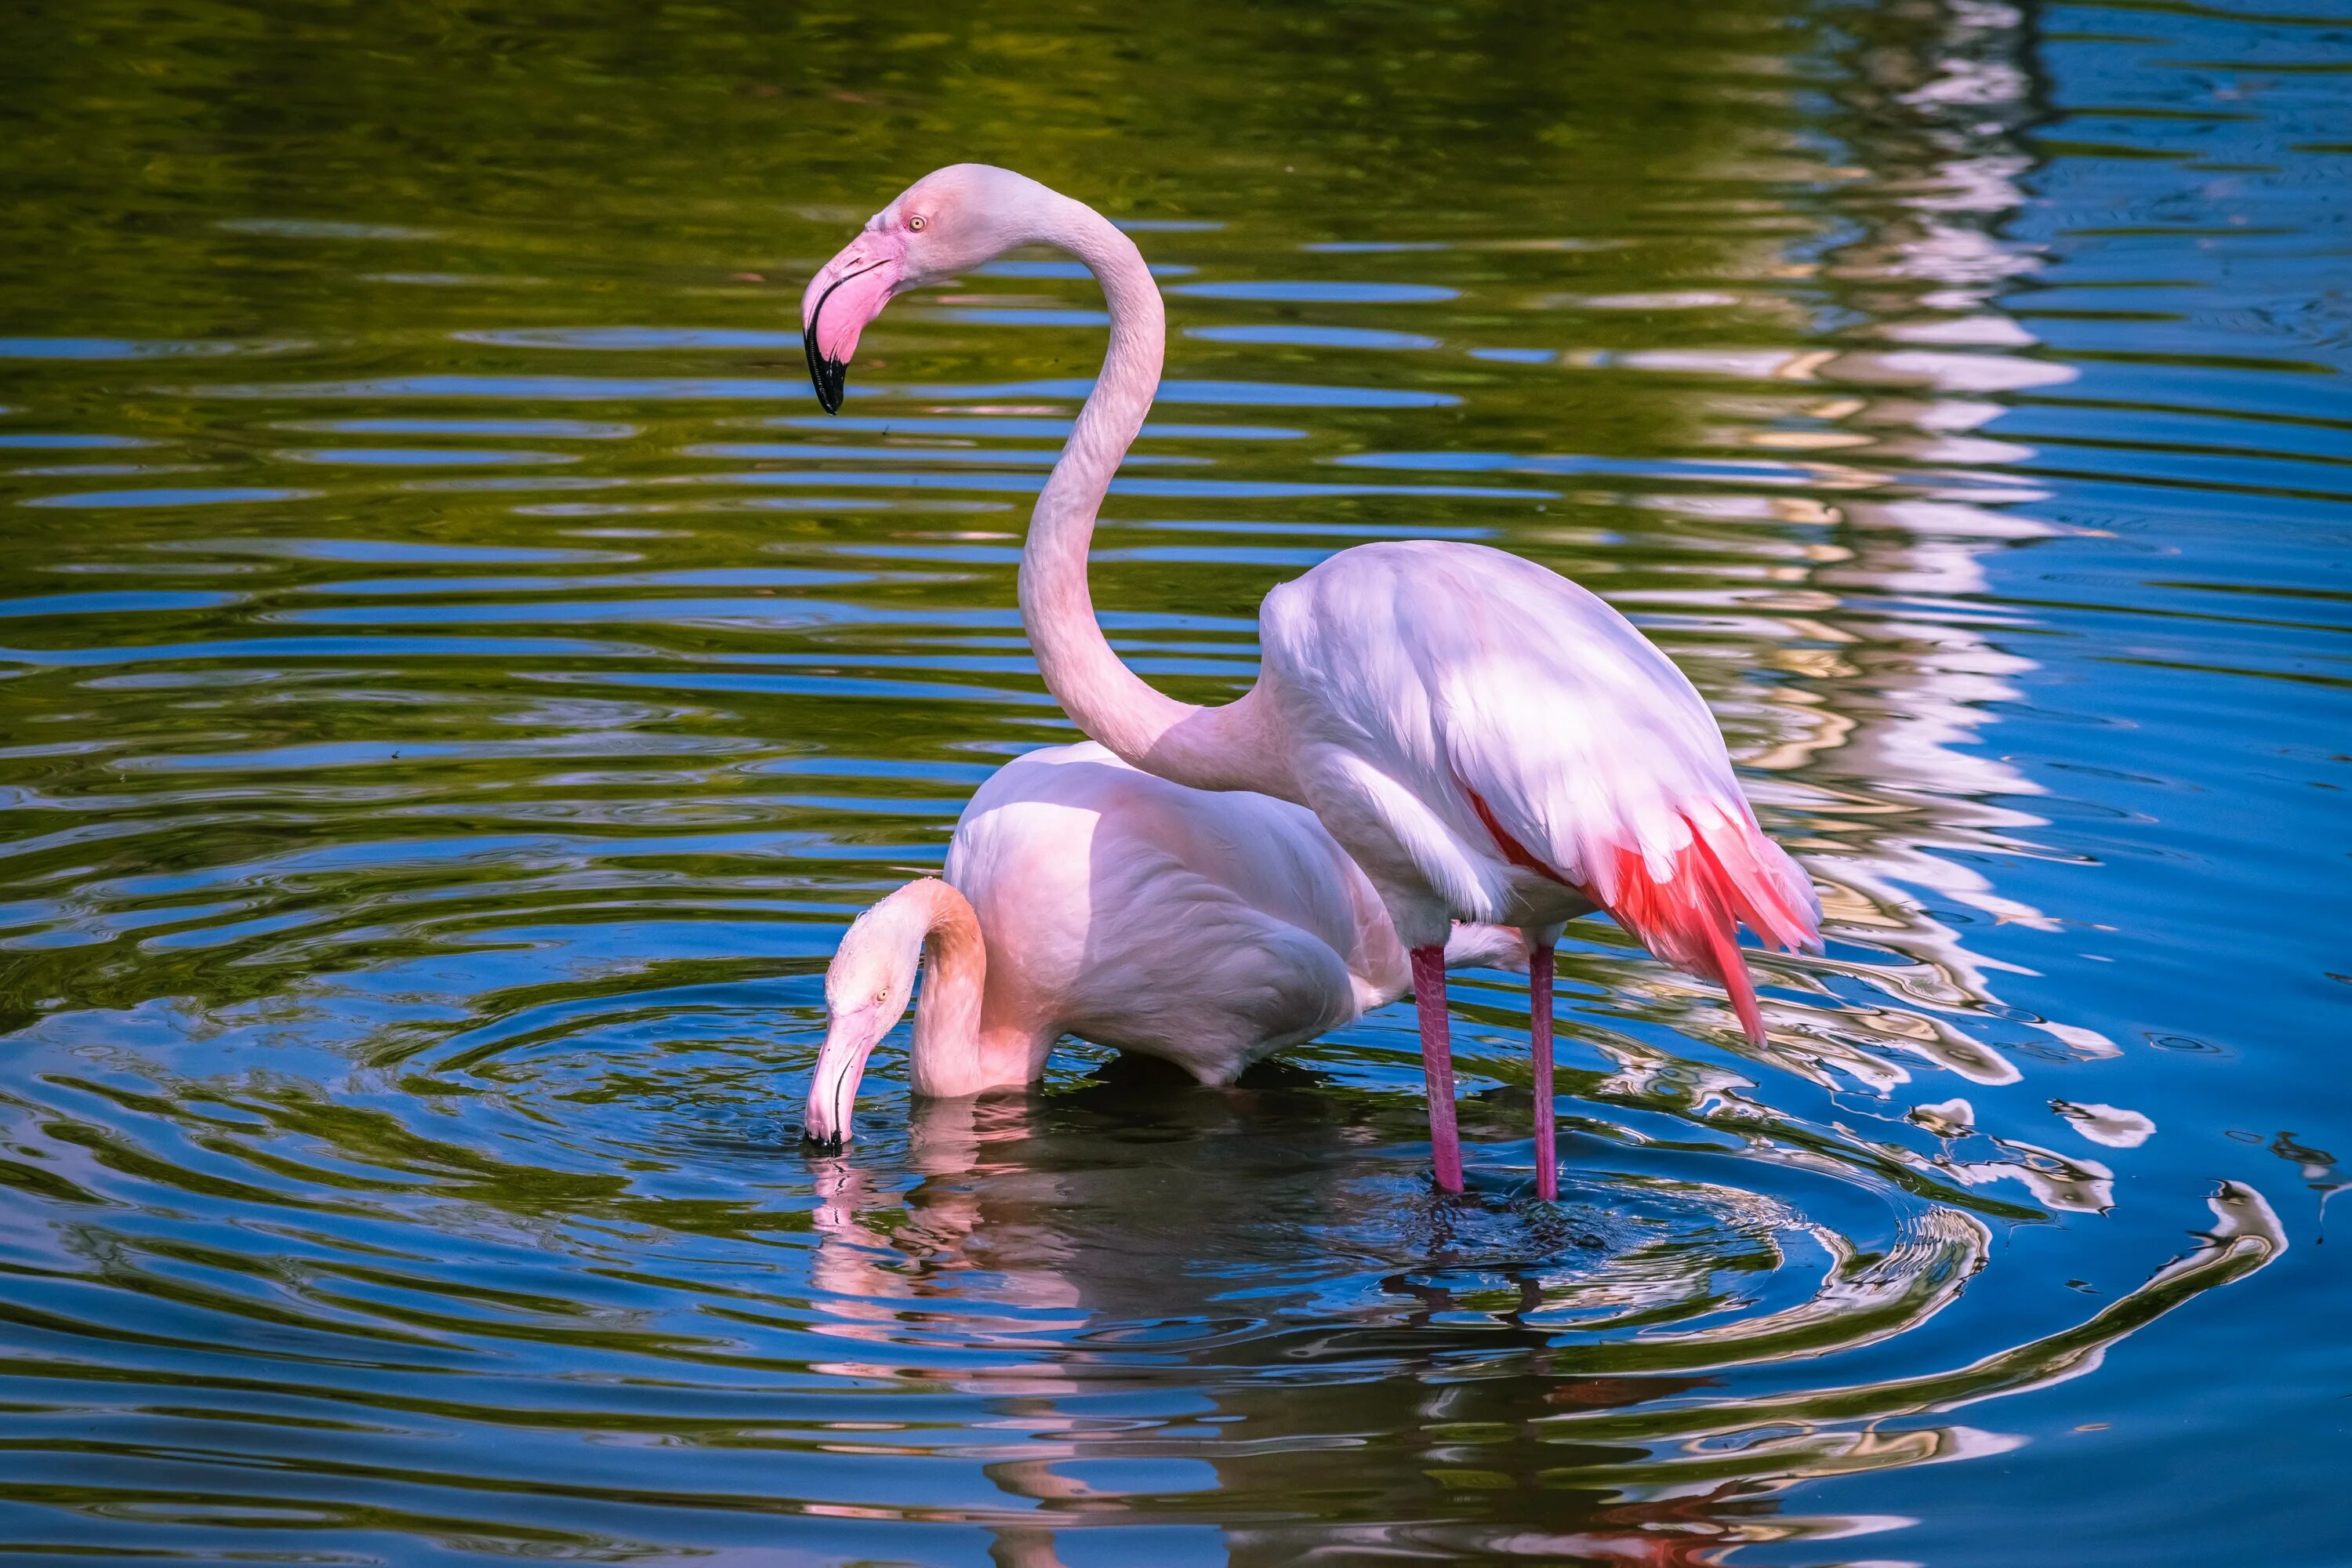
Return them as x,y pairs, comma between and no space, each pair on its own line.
1083,896
1489,742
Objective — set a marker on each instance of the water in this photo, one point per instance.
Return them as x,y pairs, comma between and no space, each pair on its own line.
457,687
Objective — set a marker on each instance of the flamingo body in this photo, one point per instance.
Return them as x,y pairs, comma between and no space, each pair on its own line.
1494,743
1205,928
1084,897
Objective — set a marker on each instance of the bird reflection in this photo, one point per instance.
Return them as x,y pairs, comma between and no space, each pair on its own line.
1159,1339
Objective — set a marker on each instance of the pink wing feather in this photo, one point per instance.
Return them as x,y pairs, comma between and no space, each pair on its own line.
1532,726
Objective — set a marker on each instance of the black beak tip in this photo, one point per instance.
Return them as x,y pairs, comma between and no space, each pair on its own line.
827,374
810,1140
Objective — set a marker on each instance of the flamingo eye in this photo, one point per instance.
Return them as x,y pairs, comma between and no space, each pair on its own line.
915,223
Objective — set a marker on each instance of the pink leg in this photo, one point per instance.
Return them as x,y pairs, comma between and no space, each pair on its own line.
1437,1064
1539,1026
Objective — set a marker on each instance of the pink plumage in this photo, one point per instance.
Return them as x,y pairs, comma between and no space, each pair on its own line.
1688,917
1084,897
1484,735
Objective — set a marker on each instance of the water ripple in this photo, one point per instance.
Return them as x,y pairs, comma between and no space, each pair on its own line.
445,730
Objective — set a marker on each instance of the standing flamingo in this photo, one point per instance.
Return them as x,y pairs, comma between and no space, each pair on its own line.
1084,897
1488,740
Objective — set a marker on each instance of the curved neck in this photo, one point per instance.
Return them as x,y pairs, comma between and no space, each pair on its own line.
946,1054
1208,748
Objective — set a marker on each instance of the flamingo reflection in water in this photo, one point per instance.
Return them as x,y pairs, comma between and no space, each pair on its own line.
1440,1375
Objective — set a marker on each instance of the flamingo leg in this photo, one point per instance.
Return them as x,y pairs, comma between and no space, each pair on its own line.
1539,1027
1437,1064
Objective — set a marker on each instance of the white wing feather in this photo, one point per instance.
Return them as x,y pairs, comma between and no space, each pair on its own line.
1495,727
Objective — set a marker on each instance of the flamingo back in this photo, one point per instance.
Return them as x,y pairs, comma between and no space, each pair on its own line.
1208,928
1475,722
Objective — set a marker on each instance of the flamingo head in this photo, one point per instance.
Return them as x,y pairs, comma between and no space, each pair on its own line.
865,991
946,223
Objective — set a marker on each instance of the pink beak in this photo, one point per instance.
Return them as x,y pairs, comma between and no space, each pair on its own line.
846,293
849,1039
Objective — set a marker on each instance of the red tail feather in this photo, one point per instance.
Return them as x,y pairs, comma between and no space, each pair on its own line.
1691,918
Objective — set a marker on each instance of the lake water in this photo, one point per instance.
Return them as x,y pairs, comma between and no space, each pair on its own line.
458,687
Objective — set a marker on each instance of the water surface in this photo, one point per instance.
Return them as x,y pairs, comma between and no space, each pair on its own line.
458,687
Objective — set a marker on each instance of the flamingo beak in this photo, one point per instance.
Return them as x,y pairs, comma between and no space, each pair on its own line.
846,294
849,1039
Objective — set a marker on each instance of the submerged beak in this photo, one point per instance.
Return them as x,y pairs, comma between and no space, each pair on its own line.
848,292
849,1039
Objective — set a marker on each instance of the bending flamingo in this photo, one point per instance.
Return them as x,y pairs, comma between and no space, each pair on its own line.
1490,741
1083,897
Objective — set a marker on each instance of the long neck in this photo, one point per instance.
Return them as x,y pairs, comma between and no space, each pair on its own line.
947,1056
1208,748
